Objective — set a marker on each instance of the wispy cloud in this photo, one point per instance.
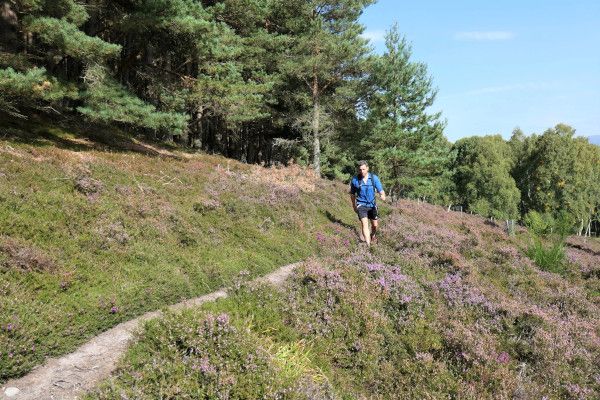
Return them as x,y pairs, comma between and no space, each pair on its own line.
374,36
510,88
517,87
482,36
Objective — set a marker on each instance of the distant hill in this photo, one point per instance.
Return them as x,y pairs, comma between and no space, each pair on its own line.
595,139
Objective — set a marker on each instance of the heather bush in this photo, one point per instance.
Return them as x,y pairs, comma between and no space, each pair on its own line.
586,261
202,355
94,234
383,325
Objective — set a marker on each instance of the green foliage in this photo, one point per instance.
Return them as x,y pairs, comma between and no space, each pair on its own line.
548,239
70,40
549,257
226,93
107,101
558,172
538,223
295,362
338,163
31,89
69,10
185,18
326,53
482,177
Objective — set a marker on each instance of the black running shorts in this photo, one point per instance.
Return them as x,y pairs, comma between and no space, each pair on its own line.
367,212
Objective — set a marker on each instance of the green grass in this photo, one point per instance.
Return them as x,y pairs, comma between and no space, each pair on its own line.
75,263
549,257
359,352
445,306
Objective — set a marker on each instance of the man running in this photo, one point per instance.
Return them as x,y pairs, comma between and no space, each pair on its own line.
362,192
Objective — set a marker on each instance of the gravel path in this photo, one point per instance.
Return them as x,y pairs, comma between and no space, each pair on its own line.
72,375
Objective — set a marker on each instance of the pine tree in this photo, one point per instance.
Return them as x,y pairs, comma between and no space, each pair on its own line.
33,89
43,47
237,74
327,51
231,74
405,142
59,46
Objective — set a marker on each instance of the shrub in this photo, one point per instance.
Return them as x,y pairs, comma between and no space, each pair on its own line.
549,257
24,257
538,223
203,355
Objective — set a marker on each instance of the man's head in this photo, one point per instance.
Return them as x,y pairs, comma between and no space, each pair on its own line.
363,168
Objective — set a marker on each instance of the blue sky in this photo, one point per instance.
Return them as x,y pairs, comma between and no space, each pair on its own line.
503,64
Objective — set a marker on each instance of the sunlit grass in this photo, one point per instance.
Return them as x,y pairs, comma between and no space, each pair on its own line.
96,232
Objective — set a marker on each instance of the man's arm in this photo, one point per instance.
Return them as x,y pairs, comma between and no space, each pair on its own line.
353,195
379,187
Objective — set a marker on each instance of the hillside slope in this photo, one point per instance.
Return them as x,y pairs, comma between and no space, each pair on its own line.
445,306
96,230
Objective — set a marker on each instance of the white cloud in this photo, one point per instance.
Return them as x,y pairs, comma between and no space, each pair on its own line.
374,36
522,87
510,88
480,36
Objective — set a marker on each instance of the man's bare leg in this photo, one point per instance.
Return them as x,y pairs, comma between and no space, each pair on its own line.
364,222
374,225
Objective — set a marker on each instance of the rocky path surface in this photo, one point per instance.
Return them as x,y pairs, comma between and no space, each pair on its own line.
70,376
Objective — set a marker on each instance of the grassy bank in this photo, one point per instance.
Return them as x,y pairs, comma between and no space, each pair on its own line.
446,306
98,229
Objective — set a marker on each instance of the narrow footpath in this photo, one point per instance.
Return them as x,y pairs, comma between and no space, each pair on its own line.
72,375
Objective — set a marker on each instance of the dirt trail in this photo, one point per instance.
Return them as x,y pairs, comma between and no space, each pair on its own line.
72,375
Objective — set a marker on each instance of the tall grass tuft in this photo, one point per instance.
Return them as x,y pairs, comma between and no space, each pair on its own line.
549,234
549,257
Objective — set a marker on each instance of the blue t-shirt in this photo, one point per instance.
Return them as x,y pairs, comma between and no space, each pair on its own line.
365,191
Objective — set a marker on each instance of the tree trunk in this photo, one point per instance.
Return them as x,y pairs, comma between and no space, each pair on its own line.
316,139
195,130
589,229
9,28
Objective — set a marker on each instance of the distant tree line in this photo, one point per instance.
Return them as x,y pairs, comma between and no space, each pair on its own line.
274,81
553,174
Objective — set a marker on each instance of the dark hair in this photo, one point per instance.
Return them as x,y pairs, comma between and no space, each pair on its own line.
361,163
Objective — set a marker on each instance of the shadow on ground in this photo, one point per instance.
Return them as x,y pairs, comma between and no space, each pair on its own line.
73,134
